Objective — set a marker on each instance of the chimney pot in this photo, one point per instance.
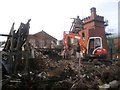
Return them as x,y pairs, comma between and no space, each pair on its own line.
93,12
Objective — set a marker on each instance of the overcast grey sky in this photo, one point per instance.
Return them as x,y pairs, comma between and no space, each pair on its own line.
53,16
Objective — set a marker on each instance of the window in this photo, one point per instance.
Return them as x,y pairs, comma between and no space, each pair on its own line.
83,35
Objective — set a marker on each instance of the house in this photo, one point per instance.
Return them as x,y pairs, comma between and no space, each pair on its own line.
42,40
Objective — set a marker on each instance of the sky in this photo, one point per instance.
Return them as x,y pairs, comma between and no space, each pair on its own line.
54,16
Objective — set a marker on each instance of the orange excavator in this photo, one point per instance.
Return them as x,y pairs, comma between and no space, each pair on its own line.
94,49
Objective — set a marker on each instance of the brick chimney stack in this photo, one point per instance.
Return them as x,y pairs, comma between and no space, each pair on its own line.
93,12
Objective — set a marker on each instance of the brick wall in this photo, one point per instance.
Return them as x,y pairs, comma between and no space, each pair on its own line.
94,27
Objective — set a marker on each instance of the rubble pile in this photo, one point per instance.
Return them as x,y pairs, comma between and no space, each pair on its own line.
46,73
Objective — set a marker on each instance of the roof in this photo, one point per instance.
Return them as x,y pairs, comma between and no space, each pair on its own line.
42,33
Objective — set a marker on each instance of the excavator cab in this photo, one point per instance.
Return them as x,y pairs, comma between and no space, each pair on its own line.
95,48
93,43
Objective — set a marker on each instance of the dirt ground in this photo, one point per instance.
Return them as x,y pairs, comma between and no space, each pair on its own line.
53,73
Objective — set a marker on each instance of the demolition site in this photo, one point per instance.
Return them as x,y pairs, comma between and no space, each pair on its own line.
83,59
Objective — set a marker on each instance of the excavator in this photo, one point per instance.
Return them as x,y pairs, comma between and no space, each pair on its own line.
73,42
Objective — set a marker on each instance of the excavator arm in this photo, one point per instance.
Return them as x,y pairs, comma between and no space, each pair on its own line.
72,39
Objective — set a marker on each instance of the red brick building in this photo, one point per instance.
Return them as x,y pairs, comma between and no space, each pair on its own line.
91,26
42,40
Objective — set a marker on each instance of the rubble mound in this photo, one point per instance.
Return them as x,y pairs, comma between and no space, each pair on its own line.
47,73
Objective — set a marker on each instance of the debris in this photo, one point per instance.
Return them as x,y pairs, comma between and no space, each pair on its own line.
104,87
114,84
